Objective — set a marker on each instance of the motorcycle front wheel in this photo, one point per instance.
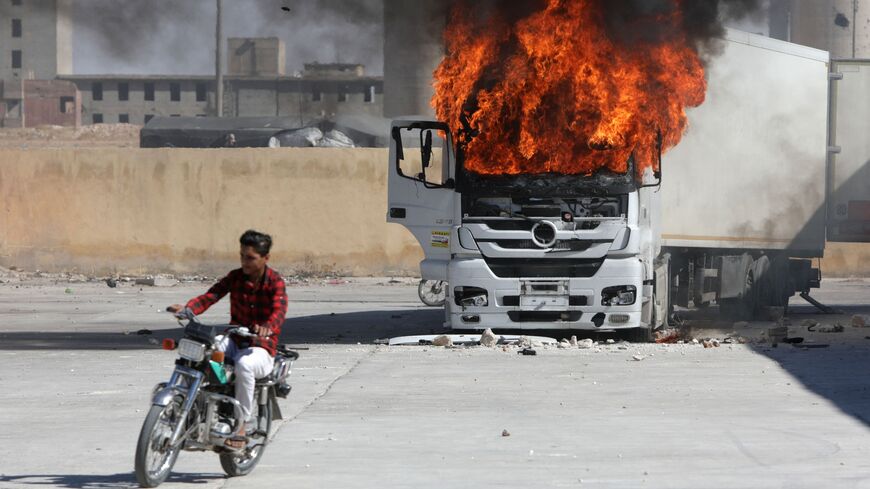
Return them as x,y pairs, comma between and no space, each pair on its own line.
242,463
154,456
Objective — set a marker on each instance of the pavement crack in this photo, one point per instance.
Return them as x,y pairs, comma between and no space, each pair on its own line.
310,403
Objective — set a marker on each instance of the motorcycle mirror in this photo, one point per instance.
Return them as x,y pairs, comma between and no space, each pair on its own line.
168,344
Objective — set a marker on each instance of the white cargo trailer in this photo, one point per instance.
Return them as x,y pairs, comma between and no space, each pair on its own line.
773,161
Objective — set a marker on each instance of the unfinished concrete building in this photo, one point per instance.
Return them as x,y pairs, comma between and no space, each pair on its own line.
35,44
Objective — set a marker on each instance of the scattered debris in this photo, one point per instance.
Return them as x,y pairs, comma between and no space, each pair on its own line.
710,343
443,340
610,341
564,343
474,340
859,321
68,290
809,324
671,335
794,340
111,282
836,328
638,358
488,338
527,351
585,343
157,281
505,433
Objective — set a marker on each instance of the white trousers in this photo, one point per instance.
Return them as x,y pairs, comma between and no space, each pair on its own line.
251,364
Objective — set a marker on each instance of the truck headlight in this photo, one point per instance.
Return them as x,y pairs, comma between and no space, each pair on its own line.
191,350
621,295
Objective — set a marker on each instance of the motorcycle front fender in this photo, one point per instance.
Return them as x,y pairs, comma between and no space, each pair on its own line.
165,395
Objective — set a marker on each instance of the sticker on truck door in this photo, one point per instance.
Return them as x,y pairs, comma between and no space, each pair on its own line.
440,239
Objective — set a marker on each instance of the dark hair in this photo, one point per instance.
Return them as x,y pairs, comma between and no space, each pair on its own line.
261,243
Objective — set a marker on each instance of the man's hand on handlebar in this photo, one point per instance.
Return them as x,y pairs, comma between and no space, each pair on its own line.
175,308
261,331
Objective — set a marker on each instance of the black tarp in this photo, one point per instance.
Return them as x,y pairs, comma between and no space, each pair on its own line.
253,132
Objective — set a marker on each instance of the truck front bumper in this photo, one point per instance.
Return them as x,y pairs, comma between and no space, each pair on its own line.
542,303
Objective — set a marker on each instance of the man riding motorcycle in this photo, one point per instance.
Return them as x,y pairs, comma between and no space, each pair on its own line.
258,300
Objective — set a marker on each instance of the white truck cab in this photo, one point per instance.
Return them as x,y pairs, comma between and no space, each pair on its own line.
529,251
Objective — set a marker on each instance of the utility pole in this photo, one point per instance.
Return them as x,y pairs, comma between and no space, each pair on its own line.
218,61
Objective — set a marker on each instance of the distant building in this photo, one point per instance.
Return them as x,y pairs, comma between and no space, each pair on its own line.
35,44
36,62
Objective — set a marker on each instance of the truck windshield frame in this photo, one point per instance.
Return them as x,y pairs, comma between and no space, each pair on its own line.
602,182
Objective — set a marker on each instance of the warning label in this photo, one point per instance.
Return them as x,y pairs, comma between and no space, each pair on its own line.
440,239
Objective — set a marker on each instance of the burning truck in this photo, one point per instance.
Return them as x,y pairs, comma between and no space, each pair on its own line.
544,199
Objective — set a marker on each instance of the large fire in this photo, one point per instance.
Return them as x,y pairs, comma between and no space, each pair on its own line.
560,89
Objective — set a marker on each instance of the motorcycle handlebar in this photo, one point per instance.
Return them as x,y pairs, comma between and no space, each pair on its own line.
187,315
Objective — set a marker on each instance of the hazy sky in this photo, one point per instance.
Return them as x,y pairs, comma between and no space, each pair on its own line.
178,36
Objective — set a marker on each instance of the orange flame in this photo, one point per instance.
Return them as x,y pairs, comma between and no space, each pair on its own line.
554,93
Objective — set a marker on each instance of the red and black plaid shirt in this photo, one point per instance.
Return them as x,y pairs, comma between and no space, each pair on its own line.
263,304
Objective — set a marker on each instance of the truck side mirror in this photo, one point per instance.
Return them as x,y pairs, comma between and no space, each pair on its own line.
426,149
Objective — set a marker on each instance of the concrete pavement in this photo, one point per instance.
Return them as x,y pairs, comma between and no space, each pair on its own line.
365,415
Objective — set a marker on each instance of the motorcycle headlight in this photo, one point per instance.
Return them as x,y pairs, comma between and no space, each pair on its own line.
191,350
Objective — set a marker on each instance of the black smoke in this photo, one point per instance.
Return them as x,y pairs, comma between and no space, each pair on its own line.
178,36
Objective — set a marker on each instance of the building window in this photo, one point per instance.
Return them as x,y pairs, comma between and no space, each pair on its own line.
148,117
97,118
97,91
200,92
67,105
342,96
175,92
315,96
124,118
149,91
16,27
123,92
16,58
370,94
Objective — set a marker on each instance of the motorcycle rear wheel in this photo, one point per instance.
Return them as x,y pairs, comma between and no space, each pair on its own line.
154,457
242,463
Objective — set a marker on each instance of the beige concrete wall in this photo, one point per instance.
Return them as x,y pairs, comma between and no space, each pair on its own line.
106,211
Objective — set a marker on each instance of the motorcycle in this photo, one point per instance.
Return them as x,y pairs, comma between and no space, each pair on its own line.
196,411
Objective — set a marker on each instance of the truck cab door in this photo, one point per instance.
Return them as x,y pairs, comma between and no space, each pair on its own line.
421,189
849,152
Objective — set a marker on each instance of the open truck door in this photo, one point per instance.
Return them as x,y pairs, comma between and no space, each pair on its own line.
421,190
849,152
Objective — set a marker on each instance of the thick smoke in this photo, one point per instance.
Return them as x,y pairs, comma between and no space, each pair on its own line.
177,37
632,21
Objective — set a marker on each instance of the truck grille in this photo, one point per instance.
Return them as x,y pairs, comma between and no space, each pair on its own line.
543,268
527,244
